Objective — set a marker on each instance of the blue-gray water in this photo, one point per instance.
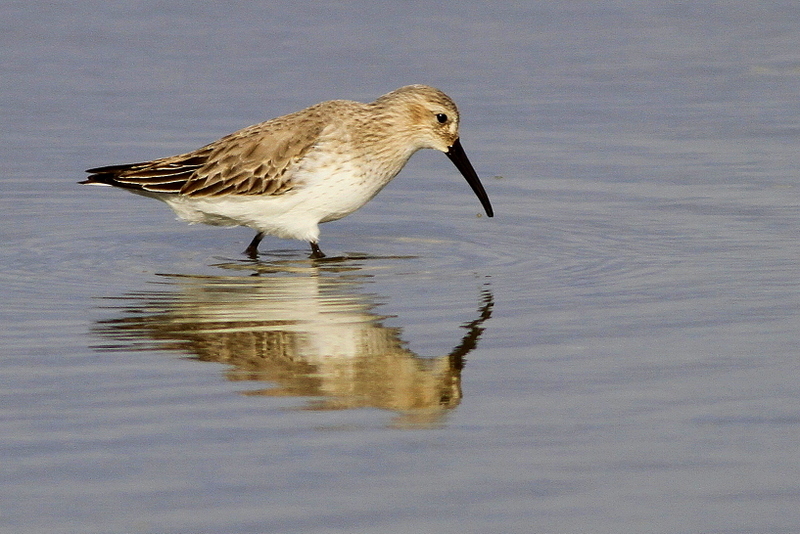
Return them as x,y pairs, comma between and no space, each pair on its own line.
616,351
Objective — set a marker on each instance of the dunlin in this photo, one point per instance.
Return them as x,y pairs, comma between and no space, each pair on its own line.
284,176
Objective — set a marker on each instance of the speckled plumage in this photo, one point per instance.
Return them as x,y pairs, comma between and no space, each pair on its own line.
284,176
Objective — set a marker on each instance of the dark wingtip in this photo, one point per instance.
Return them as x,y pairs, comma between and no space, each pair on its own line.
108,174
99,179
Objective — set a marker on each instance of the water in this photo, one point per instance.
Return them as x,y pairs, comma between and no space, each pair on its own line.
616,351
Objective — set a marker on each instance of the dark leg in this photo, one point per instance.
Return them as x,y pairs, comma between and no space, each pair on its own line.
315,251
252,248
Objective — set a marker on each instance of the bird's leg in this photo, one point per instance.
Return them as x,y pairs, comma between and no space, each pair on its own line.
315,251
252,248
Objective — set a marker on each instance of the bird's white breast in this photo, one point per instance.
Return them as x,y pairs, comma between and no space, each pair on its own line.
330,184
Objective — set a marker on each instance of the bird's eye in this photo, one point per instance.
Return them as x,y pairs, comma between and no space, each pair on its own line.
441,117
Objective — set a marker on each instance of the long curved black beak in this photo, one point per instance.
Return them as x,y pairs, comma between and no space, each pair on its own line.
459,159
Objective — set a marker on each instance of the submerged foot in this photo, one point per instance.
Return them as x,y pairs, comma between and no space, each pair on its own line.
316,253
252,248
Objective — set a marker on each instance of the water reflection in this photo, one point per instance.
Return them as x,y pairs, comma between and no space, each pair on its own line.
310,329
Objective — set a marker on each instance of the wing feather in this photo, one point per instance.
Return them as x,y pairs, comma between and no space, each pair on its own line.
258,160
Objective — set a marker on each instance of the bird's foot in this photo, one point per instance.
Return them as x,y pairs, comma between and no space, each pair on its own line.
316,253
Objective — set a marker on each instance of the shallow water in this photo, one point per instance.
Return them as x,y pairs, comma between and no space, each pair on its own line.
615,351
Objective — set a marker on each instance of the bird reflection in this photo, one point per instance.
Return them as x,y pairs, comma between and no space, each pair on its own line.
308,329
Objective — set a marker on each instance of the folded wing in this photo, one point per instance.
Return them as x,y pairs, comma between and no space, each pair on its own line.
259,160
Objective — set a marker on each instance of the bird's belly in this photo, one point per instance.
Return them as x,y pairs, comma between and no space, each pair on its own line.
294,214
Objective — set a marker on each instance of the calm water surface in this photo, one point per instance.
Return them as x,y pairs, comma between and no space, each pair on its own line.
616,351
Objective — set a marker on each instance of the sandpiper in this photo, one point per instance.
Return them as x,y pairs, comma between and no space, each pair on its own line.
284,176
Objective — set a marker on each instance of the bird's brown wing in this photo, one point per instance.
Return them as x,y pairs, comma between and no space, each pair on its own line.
258,160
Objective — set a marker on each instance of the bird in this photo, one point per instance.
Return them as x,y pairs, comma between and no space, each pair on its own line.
285,176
